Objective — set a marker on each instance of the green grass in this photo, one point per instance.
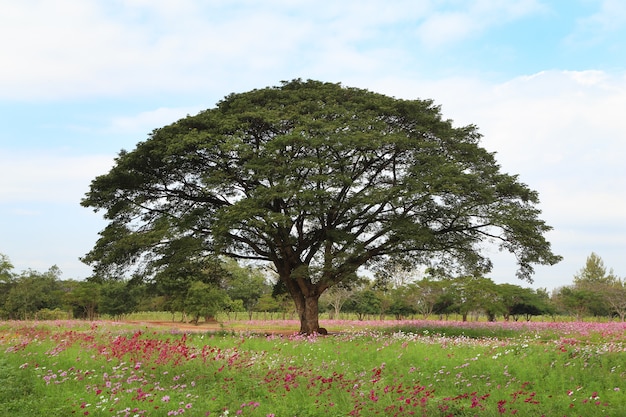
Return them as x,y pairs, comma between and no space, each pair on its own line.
453,331
106,369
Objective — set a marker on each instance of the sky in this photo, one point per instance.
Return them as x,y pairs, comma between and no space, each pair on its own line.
544,81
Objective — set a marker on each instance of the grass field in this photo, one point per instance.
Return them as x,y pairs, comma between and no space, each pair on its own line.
422,368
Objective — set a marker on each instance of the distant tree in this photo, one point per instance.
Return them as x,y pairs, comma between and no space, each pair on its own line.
33,291
447,303
336,297
402,302
602,286
363,303
488,299
318,180
386,300
118,298
6,282
615,296
594,273
476,295
83,297
396,274
6,269
286,305
427,292
246,284
544,296
518,301
268,303
174,281
575,300
234,307
205,300
510,295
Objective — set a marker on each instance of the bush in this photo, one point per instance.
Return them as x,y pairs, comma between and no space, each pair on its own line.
56,314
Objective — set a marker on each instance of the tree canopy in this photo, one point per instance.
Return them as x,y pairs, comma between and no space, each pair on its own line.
594,273
319,180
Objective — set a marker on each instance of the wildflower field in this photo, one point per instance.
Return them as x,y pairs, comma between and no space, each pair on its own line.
418,368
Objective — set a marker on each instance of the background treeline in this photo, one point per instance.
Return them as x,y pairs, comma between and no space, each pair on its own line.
223,286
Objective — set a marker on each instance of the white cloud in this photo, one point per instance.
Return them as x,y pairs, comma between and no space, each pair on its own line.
65,49
55,178
147,121
68,49
447,27
443,27
589,77
563,133
605,28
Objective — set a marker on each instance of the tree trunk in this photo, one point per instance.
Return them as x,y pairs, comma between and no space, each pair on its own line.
306,297
307,307
308,312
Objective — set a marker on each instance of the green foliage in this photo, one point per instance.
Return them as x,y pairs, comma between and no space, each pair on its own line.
6,278
475,294
56,314
594,273
32,291
83,297
364,302
44,296
205,300
319,180
425,294
118,298
174,284
6,268
594,292
245,284
615,297
401,308
575,301
268,303
517,301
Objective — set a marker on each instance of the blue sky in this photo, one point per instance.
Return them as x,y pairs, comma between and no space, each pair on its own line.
545,81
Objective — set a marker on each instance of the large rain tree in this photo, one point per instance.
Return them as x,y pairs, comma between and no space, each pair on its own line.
319,180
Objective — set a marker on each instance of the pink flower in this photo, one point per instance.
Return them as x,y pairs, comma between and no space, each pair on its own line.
165,398
373,396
